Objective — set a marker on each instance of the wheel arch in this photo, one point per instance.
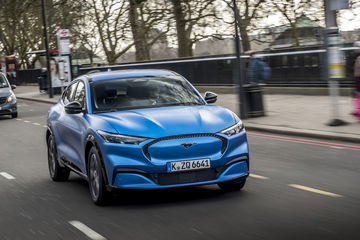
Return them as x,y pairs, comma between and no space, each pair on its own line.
48,133
91,142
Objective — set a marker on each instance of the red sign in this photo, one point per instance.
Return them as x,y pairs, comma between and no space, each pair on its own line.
64,33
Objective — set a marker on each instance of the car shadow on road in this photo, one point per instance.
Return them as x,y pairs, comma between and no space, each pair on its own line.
151,197
5,117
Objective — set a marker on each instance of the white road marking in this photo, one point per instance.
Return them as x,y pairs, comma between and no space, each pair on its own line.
314,190
7,176
86,230
336,147
44,126
36,124
26,121
18,119
258,176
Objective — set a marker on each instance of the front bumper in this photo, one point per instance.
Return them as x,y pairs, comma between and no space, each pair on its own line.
128,166
8,108
141,180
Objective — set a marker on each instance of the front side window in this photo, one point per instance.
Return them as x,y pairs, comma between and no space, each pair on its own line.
69,93
3,82
80,93
145,92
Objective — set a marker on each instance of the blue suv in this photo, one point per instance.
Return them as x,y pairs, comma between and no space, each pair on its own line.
144,129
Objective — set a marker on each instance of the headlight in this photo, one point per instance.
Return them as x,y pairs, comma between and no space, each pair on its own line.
11,98
122,139
238,127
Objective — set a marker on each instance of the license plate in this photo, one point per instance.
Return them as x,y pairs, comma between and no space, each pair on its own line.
188,165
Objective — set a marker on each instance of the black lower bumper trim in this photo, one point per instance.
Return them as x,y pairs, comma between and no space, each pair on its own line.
179,177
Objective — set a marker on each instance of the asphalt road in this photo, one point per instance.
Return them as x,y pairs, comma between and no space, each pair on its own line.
299,189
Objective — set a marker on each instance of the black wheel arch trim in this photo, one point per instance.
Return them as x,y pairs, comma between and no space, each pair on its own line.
46,134
91,138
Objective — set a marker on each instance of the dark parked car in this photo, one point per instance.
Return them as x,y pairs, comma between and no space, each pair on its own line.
7,98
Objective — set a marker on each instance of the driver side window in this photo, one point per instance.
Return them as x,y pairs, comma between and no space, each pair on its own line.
68,95
80,93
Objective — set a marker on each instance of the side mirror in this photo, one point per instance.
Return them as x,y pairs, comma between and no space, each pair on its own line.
73,108
13,87
210,97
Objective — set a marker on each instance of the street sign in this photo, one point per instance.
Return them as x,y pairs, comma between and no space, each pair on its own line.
63,33
63,36
335,57
64,46
338,4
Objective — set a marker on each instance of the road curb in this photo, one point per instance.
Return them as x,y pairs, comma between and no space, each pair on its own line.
354,138
36,100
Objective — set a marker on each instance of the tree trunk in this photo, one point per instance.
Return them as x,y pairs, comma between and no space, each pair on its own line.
138,31
295,35
111,58
184,42
245,42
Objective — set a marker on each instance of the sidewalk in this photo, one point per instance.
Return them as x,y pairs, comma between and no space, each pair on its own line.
300,115
286,114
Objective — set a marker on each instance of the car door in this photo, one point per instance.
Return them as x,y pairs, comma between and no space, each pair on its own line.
77,128
64,127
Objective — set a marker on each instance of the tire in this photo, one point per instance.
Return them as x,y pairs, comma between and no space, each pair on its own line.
14,115
57,173
233,185
98,191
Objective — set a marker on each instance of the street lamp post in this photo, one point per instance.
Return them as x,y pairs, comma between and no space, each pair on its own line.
238,76
46,43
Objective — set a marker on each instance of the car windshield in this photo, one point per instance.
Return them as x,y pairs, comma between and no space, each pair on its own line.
3,82
146,92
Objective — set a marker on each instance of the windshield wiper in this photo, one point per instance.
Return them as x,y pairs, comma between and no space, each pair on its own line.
108,110
190,103
180,104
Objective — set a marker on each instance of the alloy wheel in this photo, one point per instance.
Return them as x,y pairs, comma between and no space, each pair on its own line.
51,157
94,176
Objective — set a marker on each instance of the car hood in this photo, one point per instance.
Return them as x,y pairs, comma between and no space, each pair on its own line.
4,92
170,121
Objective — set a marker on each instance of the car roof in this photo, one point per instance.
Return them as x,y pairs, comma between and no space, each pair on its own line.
118,74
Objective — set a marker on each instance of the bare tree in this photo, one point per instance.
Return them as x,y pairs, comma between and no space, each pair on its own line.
293,10
145,16
350,18
89,44
188,15
249,12
110,18
21,25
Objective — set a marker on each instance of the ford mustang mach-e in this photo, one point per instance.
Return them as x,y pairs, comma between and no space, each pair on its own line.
144,129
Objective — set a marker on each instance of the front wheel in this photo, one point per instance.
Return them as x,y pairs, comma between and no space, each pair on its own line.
233,185
14,115
98,191
57,173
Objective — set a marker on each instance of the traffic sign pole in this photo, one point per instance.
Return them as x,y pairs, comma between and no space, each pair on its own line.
334,59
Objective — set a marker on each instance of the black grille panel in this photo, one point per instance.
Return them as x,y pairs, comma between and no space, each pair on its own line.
223,148
185,177
3,100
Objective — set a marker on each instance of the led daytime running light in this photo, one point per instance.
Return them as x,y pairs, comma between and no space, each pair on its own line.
122,139
235,129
